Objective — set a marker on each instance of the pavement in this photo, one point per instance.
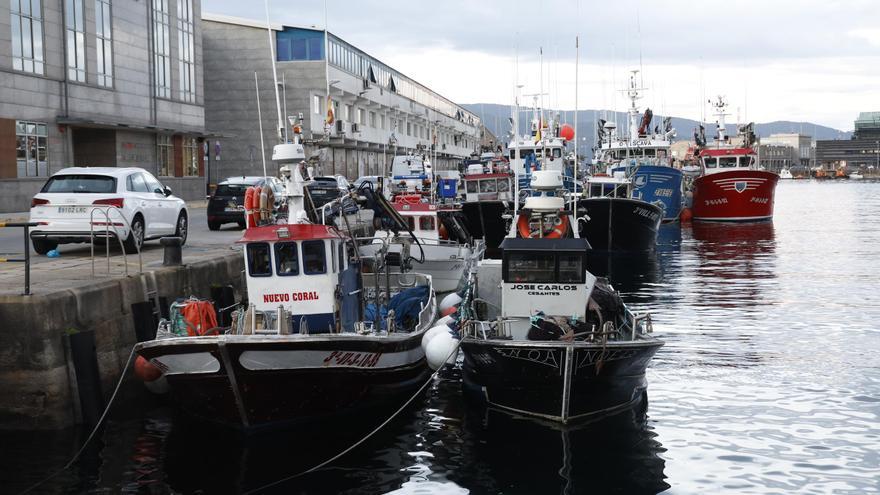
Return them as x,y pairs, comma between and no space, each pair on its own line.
73,268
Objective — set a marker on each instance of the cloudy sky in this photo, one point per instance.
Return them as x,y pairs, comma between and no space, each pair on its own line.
810,60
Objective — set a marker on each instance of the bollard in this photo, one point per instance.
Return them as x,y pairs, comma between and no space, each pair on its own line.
173,251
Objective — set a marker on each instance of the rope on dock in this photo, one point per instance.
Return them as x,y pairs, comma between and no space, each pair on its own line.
94,430
362,440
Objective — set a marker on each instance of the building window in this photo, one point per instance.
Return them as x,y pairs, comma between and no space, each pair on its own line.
164,156
348,112
381,121
185,37
31,148
316,104
27,36
373,119
162,49
76,40
299,44
360,114
190,157
104,41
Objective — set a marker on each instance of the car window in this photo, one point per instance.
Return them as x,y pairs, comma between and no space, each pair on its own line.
80,184
135,183
152,184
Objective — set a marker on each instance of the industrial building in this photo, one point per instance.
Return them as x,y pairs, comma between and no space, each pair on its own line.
862,152
377,112
100,83
778,151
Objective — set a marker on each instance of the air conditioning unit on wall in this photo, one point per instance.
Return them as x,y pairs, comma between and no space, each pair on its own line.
355,127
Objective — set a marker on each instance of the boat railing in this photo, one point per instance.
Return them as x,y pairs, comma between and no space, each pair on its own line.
489,329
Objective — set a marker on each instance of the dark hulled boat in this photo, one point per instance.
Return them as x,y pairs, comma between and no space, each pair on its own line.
615,220
543,336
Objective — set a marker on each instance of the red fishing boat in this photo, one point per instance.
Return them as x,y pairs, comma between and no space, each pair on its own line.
732,186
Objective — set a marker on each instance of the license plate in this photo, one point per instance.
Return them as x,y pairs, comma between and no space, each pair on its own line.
72,209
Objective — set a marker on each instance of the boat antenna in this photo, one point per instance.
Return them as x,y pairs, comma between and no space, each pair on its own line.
327,76
260,120
577,137
275,75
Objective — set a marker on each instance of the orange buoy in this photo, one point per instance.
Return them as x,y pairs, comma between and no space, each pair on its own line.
249,206
146,370
448,311
685,215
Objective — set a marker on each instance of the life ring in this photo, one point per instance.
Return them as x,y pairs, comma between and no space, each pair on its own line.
559,228
267,200
249,207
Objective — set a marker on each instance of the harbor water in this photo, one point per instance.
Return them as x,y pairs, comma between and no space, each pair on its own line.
769,382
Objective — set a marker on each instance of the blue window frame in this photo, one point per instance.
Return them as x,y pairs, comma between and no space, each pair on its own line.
286,259
258,260
314,259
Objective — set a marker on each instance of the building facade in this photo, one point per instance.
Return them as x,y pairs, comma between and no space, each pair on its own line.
800,152
377,112
100,83
862,152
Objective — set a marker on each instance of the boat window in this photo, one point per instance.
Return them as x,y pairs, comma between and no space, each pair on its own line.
523,154
649,152
710,162
727,162
503,185
571,269
426,223
595,190
411,223
341,253
620,191
557,152
472,186
745,161
314,262
333,257
530,267
259,264
286,259
487,186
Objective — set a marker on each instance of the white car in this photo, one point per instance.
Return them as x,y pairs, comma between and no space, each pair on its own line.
138,205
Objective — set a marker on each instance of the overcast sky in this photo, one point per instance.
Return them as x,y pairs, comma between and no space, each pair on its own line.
810,60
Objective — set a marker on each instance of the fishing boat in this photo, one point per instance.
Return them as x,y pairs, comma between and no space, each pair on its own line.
643,154
785,173
318,336
436,236
411,173
543,337
732,187
488,195
615,220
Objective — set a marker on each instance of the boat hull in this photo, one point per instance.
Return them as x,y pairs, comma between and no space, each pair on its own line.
620,224
557,381
252,381
734,196
656,184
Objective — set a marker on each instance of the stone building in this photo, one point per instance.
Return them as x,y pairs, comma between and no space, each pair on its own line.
377,111
99,83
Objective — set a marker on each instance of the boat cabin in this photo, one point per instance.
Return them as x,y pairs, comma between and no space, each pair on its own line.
548,275
297,267
721,160
488,187
411,173
609,187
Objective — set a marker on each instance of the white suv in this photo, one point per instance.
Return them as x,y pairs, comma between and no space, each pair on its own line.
77,196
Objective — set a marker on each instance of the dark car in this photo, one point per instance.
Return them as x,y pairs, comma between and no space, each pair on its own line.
325,189
226,205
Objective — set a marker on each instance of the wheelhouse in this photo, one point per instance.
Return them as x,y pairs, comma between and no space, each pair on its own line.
727,159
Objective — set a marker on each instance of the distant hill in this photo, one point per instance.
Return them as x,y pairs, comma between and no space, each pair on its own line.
496,119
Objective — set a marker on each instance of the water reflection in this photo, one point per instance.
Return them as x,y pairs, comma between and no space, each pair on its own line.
514,454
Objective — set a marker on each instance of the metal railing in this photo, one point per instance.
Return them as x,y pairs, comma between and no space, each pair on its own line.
105,210
27,252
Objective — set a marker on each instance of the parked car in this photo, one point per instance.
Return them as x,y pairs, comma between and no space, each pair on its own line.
74,202
325,189
374,180
226,205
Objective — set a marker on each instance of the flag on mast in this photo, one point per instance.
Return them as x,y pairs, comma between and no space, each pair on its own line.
538,133
330,117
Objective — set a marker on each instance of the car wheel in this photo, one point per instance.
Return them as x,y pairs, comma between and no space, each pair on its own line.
214,225
135,239
182,227
42,246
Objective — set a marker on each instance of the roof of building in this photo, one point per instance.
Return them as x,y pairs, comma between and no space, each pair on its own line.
868,119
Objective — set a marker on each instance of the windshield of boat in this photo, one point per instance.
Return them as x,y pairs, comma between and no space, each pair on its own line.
531,267
727,162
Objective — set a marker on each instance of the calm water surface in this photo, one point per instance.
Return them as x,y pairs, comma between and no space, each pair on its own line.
769,383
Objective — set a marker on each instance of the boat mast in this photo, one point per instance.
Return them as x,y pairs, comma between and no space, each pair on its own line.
260,120
280,129
719,106
576,137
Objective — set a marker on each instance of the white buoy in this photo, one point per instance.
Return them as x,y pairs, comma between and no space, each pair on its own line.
431,333
446,320
449,301
442,349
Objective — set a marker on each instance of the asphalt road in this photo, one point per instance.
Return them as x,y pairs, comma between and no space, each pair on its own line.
11,243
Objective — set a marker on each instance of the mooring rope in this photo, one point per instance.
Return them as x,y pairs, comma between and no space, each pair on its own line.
94,430
364,439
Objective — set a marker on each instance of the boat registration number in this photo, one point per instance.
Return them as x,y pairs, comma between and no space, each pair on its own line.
72,209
